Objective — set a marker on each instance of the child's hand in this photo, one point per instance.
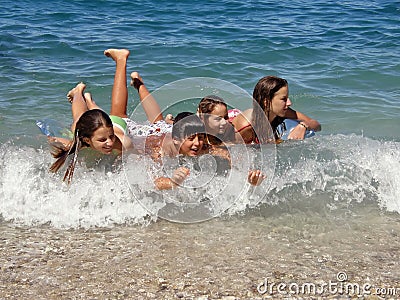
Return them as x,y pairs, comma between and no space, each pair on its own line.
59,142
180,175
256,177
297,133
169,119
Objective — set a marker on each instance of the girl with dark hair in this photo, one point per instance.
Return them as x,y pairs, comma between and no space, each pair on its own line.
94,129
271,105
188,133
107,134
216,132
91,126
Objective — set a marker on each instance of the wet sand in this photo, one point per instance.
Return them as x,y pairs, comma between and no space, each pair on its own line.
218,259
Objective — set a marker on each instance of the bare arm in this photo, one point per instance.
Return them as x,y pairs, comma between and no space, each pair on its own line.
308,122
63,142
165,183
243,128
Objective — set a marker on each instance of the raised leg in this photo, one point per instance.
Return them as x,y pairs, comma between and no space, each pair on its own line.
75,96
149,104
90,102
119,95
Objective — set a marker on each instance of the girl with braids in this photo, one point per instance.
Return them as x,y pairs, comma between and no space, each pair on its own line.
272,103
212,110
214,113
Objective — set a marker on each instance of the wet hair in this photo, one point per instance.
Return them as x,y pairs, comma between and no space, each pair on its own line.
208,103
87,124
263,93
187,124
206,107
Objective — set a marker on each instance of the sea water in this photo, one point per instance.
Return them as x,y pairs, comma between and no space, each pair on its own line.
330,203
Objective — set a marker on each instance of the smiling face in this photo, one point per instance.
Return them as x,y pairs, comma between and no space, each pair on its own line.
102,140
280,103
192,145
217,121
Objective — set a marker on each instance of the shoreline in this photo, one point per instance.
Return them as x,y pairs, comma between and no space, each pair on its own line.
218,259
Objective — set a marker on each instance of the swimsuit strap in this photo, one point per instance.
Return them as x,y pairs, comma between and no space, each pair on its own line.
118,122
244,127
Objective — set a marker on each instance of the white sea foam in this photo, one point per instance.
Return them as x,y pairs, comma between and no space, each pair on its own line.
345,169
333,171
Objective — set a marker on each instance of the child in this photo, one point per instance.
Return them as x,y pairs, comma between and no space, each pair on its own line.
188,134
214,113
216,133
91,126
95,129
271,105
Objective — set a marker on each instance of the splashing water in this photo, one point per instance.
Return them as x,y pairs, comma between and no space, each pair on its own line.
333,171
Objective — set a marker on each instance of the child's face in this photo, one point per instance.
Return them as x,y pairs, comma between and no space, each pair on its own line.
280,102
102,140
217,121
192,145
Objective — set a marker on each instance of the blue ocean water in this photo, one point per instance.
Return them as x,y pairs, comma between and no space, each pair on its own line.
341,59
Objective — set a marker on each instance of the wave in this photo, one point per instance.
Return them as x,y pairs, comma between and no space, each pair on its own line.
343,169
323,174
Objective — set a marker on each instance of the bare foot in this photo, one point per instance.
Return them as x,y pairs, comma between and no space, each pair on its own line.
117,54
169,119
78,89
136,80
89,101
136,75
